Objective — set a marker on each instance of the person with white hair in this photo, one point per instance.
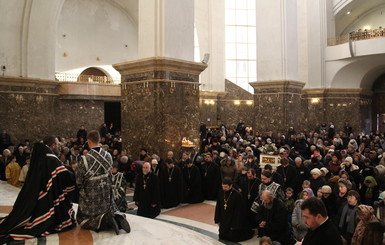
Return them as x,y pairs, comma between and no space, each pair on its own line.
316,180
4,160
272,219
147,193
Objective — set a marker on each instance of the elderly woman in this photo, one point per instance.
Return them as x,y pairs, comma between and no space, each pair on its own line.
316,180
369,230
299,227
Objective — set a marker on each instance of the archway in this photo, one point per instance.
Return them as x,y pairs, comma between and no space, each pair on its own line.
93,74
378,104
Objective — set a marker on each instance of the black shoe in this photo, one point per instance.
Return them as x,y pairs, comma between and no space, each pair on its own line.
122,223
110,222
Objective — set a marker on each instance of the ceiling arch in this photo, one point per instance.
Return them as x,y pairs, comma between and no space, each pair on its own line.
359,73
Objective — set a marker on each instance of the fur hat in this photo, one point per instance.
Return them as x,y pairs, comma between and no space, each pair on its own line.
325,170
349,159
326,189
315,171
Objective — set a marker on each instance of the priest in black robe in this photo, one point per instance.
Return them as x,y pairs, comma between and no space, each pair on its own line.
249,190
192,183
171,185
211,178
289,174
43,205
272,219
231,214
147,193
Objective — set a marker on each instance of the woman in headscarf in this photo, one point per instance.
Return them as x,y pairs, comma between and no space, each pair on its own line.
369,191
299,227
369,230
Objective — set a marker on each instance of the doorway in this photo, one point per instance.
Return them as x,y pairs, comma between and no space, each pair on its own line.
378,104
112,115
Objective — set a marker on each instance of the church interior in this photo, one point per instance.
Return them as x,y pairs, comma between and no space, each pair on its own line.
158,69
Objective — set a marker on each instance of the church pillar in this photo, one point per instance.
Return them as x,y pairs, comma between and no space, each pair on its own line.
277,105
160,91
277,91
160,104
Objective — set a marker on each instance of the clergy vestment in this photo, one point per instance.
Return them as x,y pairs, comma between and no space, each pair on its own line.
171,186
211,180
192,184
250,193
43,205
93,177
119,185
147,195
231,215
277,227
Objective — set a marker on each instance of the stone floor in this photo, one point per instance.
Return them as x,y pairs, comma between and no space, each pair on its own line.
185,224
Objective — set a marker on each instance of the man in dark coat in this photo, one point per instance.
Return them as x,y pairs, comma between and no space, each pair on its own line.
272,219
231,215
211,178
192,183
43,205
5,140
82,133
147,193
321,229
303,173
249,191
288,173
171,185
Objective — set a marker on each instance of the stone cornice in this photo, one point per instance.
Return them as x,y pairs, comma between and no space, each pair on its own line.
278,84
336,91
160,64
89,89
212,93
26,81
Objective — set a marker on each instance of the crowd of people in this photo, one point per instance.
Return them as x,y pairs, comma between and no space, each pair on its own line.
328,188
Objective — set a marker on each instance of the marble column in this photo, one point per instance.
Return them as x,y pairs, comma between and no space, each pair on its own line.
277,105
160,104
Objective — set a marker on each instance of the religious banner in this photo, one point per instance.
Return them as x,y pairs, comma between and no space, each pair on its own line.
273,160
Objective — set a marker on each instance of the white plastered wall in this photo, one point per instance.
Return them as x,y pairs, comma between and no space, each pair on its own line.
210,25
94,33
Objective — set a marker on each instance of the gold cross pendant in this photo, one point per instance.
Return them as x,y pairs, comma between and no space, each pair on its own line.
248,196
225,206
169,179
144,187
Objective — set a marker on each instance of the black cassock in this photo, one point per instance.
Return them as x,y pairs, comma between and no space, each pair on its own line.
277,227
171,186
211,180
146,194
231,214
250,193
43,205
192,185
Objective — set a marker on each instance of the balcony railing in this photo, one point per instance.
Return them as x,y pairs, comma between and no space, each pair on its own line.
357,35
67,77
